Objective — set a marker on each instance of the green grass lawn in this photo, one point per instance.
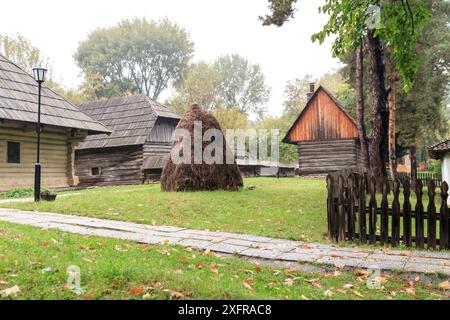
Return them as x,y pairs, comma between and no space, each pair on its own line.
289,208
36,261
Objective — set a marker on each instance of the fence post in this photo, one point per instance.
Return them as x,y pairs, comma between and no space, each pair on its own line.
385,213
419,215
431,210
351,207
372,211
362,209
341,218
444,222
396,214
407,225
330,208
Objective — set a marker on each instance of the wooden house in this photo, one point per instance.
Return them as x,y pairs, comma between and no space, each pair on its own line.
325,134
63,128
137,149
441,151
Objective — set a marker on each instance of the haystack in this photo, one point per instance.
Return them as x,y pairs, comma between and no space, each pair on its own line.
196,177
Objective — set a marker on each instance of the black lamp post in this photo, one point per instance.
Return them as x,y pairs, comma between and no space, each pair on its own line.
39,76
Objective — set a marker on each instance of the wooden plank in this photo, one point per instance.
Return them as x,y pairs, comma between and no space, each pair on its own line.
361,209
431,210
419,216
407,222
372,211
384,213
350,207
331,208
341,203
396,214
444,218
322,118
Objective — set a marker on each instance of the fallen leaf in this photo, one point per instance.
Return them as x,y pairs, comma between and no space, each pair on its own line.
348,286
328,293
411,291
289,282
258,269
358,294
445,285
136,291
183,259
248,283
175,294
303,297
178,271
213,268
10,291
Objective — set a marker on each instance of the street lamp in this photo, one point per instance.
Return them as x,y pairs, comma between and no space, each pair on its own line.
39,76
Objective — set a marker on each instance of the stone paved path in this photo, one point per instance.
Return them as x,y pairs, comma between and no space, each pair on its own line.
276,250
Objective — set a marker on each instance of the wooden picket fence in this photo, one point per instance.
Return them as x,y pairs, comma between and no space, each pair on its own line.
426,177
355,212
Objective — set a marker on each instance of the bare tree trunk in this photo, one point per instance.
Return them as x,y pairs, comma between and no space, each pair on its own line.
392,143
412,154
360,106
379,112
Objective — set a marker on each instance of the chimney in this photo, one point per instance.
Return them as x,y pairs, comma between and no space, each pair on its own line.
312,89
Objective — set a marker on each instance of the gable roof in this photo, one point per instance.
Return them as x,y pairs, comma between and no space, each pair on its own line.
19,96
308,104
131,118
436,151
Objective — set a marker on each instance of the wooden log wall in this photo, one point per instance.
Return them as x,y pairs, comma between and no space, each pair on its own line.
119,165
323,157
55,156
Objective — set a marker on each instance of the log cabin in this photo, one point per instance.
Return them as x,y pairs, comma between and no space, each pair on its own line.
326,136
63,127
137,149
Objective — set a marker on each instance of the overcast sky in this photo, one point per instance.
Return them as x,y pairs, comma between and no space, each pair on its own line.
217,27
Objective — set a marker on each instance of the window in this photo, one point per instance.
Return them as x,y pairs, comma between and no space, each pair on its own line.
13,152
95,171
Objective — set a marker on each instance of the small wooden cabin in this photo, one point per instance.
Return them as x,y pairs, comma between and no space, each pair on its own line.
441,151
137,149
326,136
63,128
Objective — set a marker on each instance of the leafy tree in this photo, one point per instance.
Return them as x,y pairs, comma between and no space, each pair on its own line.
229,82
199,86
231,118
295,93
241,84
420,112
135,56
295,96
19,50
287,152
401,24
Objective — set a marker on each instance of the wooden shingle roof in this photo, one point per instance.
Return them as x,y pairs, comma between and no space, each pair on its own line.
19,96
131,118
439,149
